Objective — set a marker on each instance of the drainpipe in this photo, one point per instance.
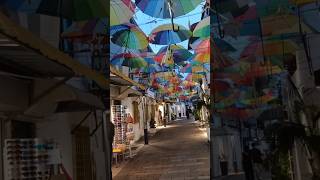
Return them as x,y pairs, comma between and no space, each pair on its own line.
107,149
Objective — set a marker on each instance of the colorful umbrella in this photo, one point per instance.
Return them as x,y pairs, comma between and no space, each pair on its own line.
167,8
193,41
121,11
178,53
202,58
165,35
187,68
129,36
129,59
270,48
281,24
152,68
203,47
202,29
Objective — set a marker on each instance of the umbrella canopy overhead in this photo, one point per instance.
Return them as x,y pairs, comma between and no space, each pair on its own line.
131,60
167,8
121,11
202,29
178,54
129,36
165,34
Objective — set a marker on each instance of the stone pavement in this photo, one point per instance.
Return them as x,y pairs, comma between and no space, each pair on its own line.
179,151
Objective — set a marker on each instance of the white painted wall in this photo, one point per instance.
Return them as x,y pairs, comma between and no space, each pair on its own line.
59,126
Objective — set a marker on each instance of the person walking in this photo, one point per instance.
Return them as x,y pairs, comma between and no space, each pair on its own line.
247,163
160,117
188,115
256,157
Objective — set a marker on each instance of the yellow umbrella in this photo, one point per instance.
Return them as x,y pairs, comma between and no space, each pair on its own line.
202,57
281,24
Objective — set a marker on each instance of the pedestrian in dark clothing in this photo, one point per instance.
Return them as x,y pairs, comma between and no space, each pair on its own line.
187,113
247,164
256,157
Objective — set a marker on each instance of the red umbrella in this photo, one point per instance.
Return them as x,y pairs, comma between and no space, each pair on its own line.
203,47
220,85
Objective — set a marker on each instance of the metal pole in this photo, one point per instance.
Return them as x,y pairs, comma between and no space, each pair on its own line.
146,141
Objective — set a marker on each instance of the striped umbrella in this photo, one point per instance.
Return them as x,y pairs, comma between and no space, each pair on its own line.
202,29
178,53
129,59
202,58
167,8
165,34
129,36
121,11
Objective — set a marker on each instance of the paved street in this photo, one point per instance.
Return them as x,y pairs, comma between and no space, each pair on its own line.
179,151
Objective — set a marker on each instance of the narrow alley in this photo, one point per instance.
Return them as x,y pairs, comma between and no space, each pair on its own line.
179,151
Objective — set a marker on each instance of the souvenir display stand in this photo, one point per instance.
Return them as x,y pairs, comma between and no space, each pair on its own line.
27,159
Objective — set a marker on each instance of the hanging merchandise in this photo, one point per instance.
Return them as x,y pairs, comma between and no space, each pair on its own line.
120,129
29,158
130,122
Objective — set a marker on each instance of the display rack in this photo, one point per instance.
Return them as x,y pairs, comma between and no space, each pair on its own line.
118,115
26,159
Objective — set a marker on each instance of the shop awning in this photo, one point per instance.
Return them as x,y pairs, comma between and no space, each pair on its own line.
118,78
21,51
64,98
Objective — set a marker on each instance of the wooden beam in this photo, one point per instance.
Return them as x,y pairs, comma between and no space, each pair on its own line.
49,90
24,37
125,90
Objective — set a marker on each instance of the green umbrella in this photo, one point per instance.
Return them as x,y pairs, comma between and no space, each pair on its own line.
202,29
130,60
